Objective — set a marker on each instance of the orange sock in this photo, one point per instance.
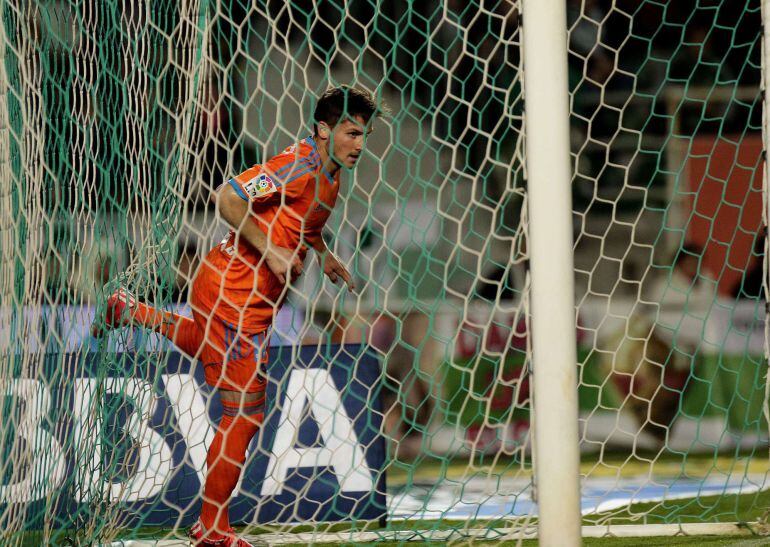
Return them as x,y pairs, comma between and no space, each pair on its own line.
181,330
224,463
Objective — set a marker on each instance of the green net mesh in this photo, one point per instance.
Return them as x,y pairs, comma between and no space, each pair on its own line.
669,112
118,120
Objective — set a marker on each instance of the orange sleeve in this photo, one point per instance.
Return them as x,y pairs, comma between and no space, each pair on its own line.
284,174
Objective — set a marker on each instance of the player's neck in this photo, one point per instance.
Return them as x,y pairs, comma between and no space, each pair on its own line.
328,163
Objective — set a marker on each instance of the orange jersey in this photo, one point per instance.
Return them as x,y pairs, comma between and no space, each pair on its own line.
296,179
291,196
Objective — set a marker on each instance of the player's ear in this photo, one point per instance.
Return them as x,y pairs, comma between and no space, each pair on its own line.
323,130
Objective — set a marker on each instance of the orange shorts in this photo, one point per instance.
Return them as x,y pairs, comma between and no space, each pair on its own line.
231,359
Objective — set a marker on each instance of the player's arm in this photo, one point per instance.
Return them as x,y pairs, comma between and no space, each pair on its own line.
330,264
237,213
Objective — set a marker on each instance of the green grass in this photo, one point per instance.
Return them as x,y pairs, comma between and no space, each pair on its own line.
727,508
607,463
711,541
676,540
730,508
609,542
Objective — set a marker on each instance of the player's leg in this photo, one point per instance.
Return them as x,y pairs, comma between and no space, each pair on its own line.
242,391
125,310
241,418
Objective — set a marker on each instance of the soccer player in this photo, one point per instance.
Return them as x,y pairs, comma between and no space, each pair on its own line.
276,210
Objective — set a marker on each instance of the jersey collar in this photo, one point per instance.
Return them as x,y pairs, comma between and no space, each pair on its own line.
311,141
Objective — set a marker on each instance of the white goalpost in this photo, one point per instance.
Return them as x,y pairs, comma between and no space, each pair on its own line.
554,358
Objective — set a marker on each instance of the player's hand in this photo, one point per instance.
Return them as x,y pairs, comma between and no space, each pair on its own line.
335,270
284,263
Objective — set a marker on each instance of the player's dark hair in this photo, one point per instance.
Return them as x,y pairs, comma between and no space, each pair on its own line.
347,102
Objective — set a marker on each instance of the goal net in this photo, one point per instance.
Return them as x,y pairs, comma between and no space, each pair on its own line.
402,411
669,258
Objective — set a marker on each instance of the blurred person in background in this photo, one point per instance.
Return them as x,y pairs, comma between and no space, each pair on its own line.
408,398
658,349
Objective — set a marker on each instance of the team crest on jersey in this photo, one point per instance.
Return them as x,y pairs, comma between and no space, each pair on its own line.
260,185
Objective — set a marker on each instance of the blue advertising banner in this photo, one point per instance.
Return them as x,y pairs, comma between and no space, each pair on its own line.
128,433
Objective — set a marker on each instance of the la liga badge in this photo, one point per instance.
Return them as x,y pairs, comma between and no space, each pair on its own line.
265,184
260,185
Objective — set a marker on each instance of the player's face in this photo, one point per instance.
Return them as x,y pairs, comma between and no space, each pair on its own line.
348,140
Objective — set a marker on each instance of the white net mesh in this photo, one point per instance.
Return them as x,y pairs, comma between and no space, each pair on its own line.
119,121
